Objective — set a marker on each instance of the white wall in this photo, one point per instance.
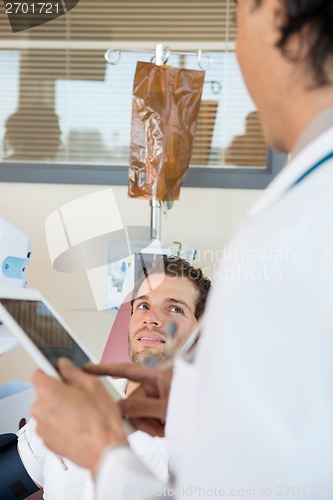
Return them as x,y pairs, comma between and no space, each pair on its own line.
203,218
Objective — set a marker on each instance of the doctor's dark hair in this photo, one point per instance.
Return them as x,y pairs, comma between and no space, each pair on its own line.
176,267
317,17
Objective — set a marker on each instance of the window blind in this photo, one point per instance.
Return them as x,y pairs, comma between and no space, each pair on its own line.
61,102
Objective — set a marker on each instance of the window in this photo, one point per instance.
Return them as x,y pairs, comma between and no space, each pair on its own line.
65,114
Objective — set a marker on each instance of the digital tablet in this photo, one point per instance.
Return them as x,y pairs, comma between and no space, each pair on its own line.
44,334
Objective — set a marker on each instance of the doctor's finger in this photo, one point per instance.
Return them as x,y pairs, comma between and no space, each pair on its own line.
136,372
47,393
149,425
143,407
43,382
155,382
73,375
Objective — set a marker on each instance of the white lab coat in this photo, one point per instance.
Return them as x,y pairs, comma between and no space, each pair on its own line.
259,397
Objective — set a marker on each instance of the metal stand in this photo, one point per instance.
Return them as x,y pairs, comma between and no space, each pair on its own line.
155,205
155,219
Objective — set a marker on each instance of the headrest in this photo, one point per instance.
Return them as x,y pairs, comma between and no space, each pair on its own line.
116,348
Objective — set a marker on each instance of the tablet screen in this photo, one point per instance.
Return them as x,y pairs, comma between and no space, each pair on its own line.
38,322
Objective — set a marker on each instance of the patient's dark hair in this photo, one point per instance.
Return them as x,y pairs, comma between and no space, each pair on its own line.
178,268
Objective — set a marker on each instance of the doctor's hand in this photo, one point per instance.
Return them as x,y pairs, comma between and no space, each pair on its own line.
146,407
76,417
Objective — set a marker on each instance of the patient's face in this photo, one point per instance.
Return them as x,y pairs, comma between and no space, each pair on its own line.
161,300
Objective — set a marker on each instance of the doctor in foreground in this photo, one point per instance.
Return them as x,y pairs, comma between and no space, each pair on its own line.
252,415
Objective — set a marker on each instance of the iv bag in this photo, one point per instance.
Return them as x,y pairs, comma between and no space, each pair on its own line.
166,103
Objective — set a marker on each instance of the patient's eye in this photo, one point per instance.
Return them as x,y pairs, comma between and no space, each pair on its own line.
143,306
177,309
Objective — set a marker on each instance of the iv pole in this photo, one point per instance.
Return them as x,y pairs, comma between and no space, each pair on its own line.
155,205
